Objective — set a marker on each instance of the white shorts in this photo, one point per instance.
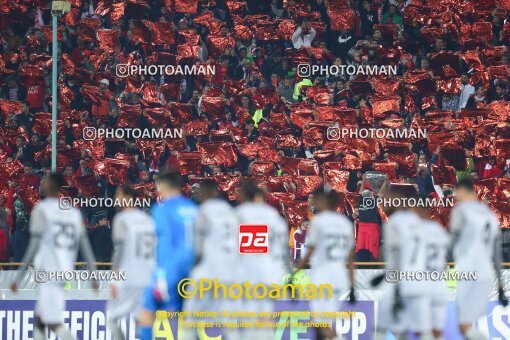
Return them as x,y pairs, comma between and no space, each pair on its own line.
51,303
472,300
321,306
210,302
324,276
439,303
415,316
128,301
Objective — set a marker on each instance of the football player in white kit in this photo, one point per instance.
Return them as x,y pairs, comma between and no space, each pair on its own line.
438,243
476,242
56,235
134,240
217,256
330,254
260,268
405,305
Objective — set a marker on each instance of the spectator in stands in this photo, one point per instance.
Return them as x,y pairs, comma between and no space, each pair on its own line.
303,36
100,237
4,229
491,169
247,104
102,108
251,131
368,18
392,16
470,168
450,102
18,243
501,92
506,168
424,173
466,90
286,90
29,178
13,91
25,117
478,98
369,220
18,207
264,125
299,235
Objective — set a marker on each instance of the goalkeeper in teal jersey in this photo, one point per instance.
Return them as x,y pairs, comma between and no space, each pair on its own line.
174,221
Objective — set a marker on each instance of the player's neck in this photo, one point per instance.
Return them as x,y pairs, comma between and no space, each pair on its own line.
170,194
470,198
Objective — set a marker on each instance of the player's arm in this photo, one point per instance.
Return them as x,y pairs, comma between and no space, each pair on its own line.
87,252
118,237
350,269
199,238
36,227
305,260
456,222
497,254
311,239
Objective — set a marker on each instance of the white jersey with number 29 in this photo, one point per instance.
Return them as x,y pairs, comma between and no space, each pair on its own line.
405,247
477,228
331,235
135,229
60,230
270,267
216,225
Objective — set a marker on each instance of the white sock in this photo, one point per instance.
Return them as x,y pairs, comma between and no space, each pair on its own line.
39,333
232,333
474,334
188,333
115,330
63,333
426,336
380,335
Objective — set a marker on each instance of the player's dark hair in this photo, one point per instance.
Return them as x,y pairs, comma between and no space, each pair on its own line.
465,183
172,178
249,190
55,182
208,188
128,190
330,196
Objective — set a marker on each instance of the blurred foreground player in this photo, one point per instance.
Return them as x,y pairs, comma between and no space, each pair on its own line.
56,235
174,220
437,246
260,268
216,237
330,252
476,242
405,305
135,252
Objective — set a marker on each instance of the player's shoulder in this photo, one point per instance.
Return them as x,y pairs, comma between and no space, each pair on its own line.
215,204
402,216
331,218
434,228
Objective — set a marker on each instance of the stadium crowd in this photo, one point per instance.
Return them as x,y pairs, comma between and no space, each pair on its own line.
255,117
